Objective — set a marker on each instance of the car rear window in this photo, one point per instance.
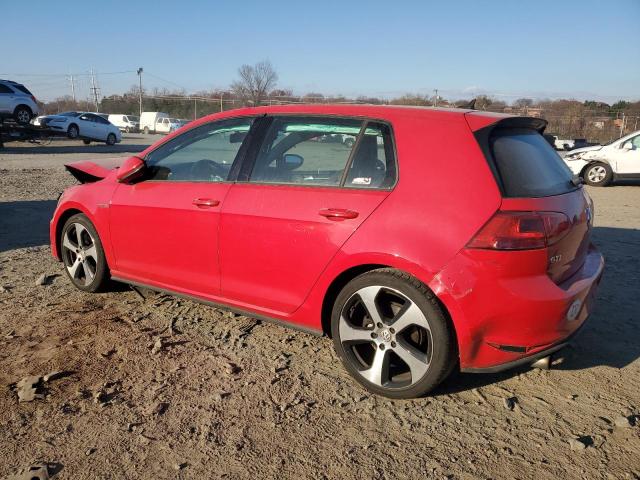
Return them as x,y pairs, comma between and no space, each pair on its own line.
23,89
527,165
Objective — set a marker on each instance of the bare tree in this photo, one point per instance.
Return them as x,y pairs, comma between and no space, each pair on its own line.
255,82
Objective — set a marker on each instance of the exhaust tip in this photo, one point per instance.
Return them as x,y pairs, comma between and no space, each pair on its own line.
543,363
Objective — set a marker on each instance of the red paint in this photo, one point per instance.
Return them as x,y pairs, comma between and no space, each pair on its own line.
275,250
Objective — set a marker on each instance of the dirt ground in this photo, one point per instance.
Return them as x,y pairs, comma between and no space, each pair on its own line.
167,388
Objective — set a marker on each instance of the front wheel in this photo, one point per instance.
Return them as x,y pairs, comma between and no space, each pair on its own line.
86,142
83,255
146,130
598,175
111,139
392,335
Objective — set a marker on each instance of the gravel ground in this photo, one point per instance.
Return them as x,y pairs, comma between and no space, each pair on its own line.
165,388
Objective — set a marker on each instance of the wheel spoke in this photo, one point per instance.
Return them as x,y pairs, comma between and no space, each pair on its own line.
73,268
349,333
368,297
89,275
68,243
410,316
417,361
79,230
378,372
91,252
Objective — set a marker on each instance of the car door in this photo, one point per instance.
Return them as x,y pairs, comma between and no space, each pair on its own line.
299,197
6,96
164,229
87,126
627,157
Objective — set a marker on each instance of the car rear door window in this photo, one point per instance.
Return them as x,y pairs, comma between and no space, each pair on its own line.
306,151
202,154
5,89
527,165
373,164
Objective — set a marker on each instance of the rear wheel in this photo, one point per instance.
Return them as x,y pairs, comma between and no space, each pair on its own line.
391,334
111,139
72,131
22,114
598,174
86,142
146,130
83,255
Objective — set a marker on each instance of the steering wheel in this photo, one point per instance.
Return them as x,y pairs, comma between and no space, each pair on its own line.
207,170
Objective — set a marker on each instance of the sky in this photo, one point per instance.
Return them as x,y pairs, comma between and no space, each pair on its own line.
583,49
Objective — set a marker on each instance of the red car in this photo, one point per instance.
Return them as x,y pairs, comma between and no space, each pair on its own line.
421,240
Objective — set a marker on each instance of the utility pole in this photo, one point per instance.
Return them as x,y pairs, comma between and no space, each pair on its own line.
220,102
622,125
73,87
195,108
435,103
94,89
140,89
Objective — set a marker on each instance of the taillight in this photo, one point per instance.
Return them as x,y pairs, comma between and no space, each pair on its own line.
34,99
521,231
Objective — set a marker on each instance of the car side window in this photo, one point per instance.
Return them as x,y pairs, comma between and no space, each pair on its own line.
5,89
305,151
373,164
635,142
202,154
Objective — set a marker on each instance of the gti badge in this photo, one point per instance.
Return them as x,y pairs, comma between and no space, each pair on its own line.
555,258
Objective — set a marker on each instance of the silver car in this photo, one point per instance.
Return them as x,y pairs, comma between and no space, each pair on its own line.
17,102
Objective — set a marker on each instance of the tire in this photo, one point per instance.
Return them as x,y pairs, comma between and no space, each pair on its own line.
349,142
146,130
86,142
424,337
127,130
598,174
111,139
73,132
83,257
22,114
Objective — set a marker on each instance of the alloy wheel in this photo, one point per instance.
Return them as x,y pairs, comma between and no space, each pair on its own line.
80,254
597,174
23,116
386,337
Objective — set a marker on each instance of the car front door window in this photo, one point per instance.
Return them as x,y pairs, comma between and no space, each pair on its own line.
203,154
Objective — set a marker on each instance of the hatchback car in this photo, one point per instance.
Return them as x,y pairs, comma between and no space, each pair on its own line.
84,125
17,102
415,257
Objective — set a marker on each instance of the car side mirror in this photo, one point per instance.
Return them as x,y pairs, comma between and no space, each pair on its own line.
627,146
131,170
291,161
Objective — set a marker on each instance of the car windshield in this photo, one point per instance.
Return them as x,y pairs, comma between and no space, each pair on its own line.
133,118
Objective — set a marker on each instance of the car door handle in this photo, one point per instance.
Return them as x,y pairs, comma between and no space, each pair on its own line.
338,213
205,202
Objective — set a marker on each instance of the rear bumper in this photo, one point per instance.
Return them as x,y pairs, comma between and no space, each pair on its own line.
506,316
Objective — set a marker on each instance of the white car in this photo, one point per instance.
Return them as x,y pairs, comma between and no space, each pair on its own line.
84,125
17,102
601,164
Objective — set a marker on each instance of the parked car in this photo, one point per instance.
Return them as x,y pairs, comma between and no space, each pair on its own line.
87,126
157,122
599,165
17,102
415,258
126,123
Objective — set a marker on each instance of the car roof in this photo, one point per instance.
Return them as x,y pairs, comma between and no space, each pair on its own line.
382,112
